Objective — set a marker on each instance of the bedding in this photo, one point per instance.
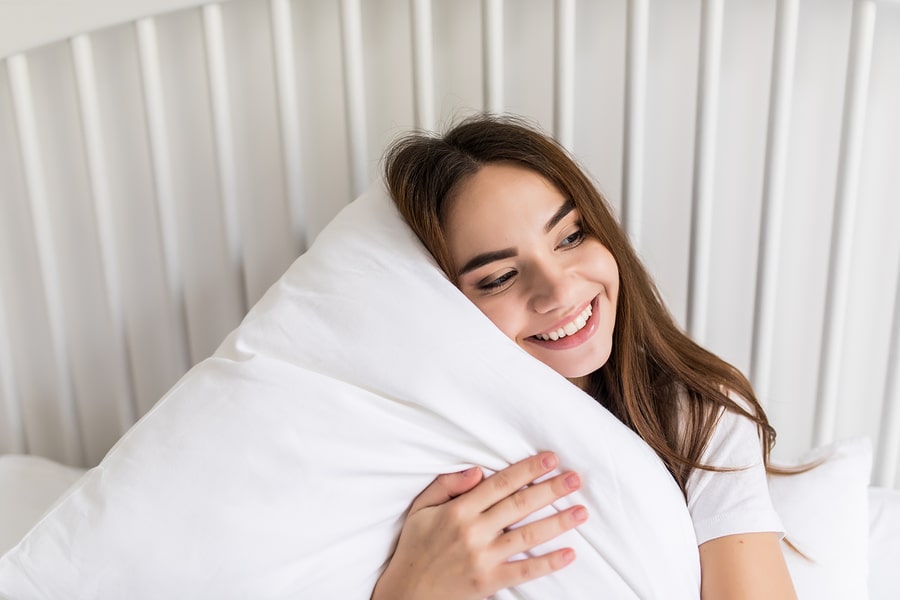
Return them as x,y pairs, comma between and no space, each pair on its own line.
282,465
29,485
884,544
826,517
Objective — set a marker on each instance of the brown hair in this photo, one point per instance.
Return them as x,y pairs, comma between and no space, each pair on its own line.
657,381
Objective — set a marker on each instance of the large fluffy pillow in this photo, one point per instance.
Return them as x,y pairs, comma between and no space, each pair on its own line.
29,485
281,467
884,543
825,512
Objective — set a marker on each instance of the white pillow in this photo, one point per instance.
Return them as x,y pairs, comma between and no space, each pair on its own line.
826,516
282,466
29,485
884,544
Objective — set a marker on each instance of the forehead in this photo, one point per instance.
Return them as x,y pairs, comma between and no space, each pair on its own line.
502,188
501,204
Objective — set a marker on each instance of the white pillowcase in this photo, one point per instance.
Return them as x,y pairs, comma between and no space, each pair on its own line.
29,485
884,544
826,516
282,466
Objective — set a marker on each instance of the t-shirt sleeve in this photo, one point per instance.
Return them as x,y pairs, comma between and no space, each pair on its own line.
730,502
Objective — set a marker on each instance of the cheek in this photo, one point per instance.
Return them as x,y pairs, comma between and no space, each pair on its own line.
611,272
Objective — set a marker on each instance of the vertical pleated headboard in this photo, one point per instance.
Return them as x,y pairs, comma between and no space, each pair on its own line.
161,163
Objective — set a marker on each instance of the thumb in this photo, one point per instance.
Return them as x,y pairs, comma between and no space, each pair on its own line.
446,487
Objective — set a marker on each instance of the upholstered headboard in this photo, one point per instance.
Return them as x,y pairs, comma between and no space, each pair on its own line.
161,163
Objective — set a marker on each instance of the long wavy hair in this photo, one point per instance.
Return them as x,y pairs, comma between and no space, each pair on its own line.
657,381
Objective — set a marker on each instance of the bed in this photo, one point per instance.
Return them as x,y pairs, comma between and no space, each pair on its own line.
163,163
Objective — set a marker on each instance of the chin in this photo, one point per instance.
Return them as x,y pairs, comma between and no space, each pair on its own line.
583,368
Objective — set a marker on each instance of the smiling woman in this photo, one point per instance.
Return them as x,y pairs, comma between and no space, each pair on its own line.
526,262
525,235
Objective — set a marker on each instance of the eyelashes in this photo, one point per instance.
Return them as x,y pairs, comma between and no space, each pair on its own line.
567,243
497,283
572,240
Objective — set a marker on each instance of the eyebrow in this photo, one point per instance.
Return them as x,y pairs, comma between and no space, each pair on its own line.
485,258
567,207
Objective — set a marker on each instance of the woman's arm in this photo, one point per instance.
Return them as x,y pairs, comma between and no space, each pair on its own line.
455,543
748,566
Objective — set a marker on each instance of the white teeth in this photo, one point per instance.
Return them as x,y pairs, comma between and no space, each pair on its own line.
570,328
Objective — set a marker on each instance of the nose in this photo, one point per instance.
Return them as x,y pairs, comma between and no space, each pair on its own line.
550,289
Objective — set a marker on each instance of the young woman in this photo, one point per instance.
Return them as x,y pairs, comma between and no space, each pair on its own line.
526,236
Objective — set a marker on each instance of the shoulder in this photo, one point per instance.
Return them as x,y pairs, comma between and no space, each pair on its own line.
733,496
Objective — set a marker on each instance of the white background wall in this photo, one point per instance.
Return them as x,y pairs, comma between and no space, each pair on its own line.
100,365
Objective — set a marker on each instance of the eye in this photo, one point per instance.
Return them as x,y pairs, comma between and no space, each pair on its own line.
496,284
572,239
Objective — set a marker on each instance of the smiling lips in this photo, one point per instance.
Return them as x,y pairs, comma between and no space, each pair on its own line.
570,328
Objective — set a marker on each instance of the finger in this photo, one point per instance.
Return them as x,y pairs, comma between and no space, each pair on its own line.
525,501
446,487
527,537
508,481
517,572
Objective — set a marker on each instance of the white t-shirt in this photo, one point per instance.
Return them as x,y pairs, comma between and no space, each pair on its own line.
730,502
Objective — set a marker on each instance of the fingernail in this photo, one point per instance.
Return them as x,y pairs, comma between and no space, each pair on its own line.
573,481
548,461
568,555
469,471
580,514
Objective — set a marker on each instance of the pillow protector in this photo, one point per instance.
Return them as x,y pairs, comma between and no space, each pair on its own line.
282,466
884,543
29,485
825,512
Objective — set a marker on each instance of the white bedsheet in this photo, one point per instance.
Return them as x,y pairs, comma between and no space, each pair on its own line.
281,467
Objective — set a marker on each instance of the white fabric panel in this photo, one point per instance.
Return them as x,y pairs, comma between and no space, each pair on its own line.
423,63
705,157
673,74
199,222
875,248
321,177
810,185
634,146
289,115
217,71
564,72
13,434
271,236
492,65
355,92
773,197
97,164
24,25
42,188
461,69
156,345
846,208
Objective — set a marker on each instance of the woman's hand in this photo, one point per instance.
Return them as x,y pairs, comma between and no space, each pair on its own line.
455,545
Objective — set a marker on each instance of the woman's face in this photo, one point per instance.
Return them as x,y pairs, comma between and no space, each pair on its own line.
522,258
